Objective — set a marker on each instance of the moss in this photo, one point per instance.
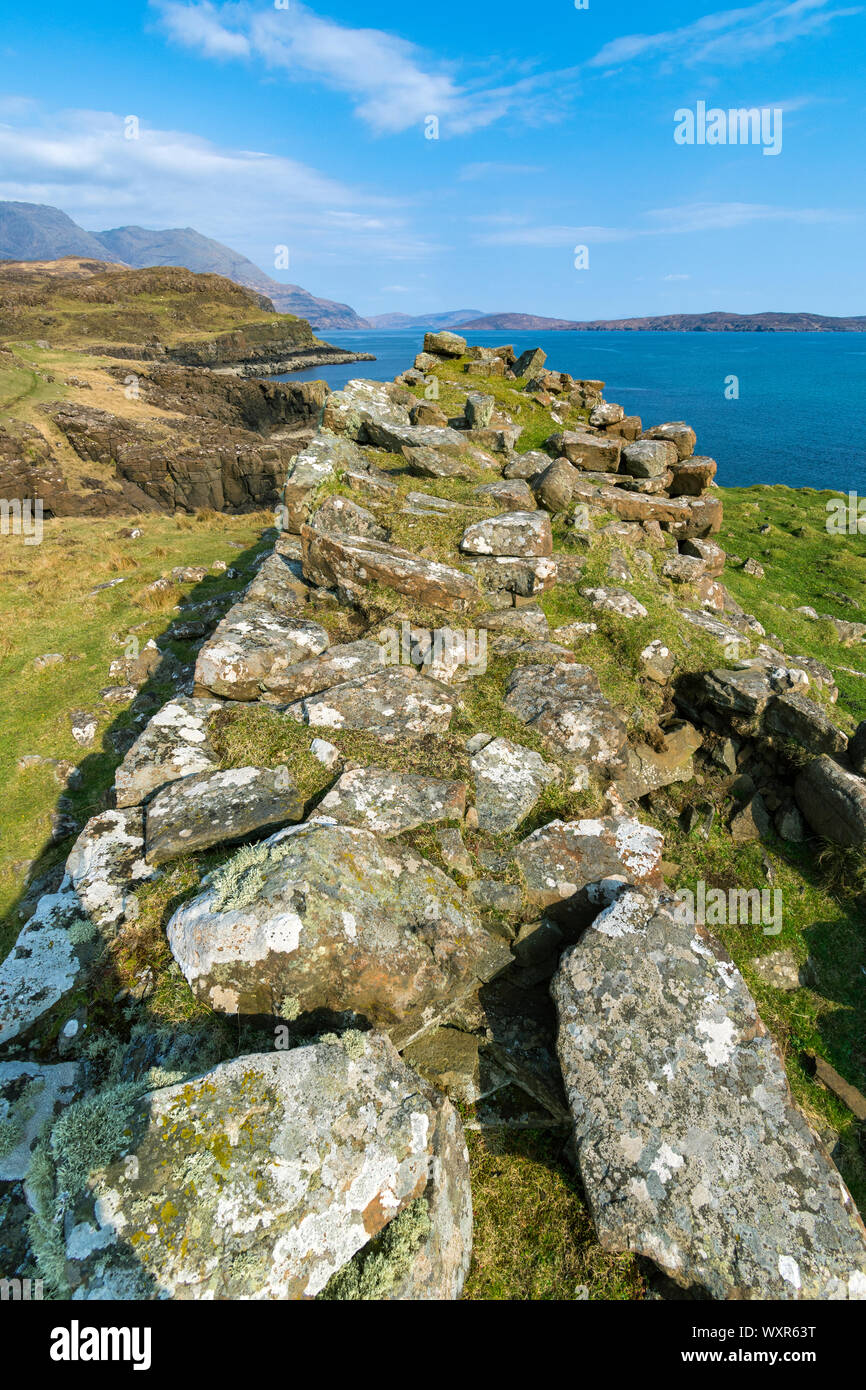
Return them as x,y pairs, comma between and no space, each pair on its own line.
81,931
374,1271
11,1134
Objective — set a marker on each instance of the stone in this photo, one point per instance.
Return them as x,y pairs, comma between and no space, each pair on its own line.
683,569
606,414
683,517
529,363
563,702
530,622
514,494
780,969
174,743
458,1063
339,921
431,463
340,516
391,802
554,487
445,344
692,478
251,637
615,600
351,567
570,868
41,663
527,465
526,577
216,808
393,704
593,453
679,433
712,555
31,1096
345,661
509,779
648,458
801,720
689,1144
752,822
427,413
43,967
648,768
83,727
657,662
479,410
326,753
629,428
512,533
454,852
790,825
857,749
833,801
106,864
320,460
301,1159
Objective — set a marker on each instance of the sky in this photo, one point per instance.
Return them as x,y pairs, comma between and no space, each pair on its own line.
427,157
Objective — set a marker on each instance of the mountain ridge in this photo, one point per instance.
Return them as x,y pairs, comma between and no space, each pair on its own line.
715,321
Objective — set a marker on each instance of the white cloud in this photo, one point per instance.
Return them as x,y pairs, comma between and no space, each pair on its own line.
686,218
727,36
493,169
81,162
392,83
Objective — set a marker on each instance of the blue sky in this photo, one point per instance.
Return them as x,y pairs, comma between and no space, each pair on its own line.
305,127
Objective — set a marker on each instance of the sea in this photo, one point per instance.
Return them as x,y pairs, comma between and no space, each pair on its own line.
768,407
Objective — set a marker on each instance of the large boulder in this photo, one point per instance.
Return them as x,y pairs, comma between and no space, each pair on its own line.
684,517
690,1147
394,703
512,533
351,566
336,921
572,867
649,458
509,779
679,433
564,703
391,802
833,801
316,463
593,453
445,344
174,743
251,637
216,808
106,864
265,1178
342,662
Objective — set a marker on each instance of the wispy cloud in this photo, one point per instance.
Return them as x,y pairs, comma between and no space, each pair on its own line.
728,36
680,220
470,173
392,83
82,162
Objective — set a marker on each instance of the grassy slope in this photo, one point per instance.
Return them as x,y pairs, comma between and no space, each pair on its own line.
533,1237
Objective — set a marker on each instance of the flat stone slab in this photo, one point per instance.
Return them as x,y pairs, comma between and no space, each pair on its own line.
390,802
833,801
217,808
572,867
684,517
392,704
334,919
509,779
690,1147
615,600
106,864
251,637
342,662
564,703
266,1176
44,966
512,533
174,743
351,566
30,1097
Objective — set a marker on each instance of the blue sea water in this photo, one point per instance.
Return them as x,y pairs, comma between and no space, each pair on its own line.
798,418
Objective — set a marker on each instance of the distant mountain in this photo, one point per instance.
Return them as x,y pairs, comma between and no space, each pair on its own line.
34,231
716,322
387,322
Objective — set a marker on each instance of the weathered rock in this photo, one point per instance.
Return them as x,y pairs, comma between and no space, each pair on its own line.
684,517
690,1147
340,516
479,410
338,921
310,468
647,768
712,555
300,1158
458,1063
509,780
572,867
530,622
527,465
514,494
48,961
857,749
615,600
564,703
781,969
683,569
351,567
554,488
30,1097
529,363
106,864
798,718
392,704
657,662
679,433
174,743
216,808
648,458
251,637
833,801
691,478
432,463
513,574
752,822
606,414
592,453
390,802
512,533
343,662
445,344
